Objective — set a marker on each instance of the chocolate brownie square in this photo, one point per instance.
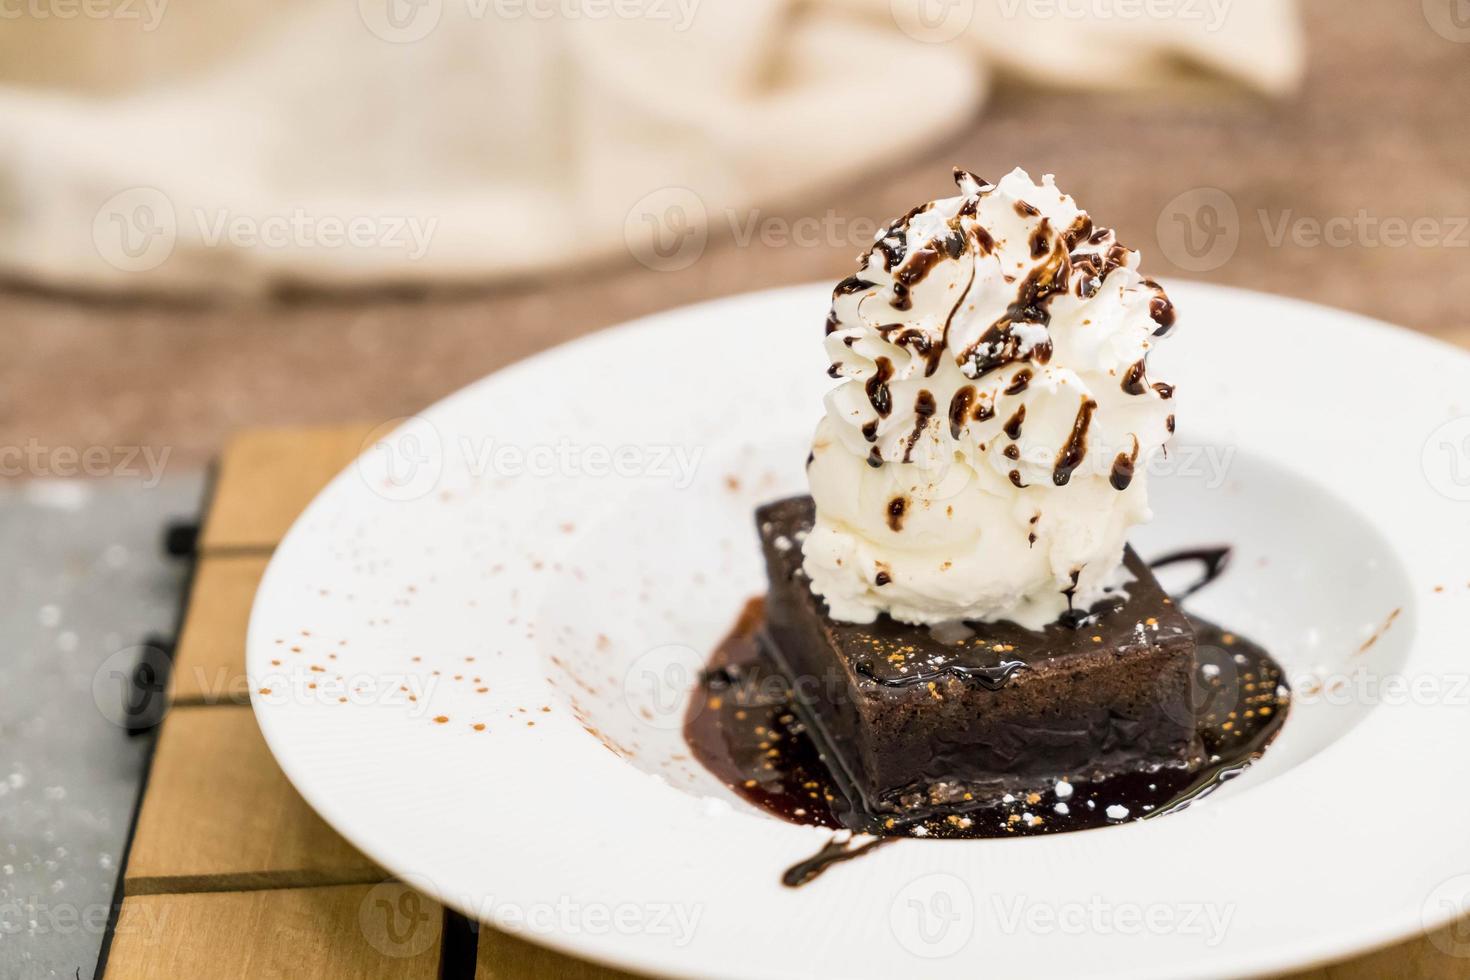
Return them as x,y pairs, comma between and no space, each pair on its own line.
915,717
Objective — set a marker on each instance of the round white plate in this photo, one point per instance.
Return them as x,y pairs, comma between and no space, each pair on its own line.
472,652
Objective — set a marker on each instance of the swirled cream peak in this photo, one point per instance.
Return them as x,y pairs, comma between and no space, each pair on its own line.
985,454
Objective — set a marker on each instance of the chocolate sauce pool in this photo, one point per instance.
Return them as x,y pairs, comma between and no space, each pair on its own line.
742,726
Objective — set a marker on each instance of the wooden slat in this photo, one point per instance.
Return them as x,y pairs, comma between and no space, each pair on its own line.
209,661
1424,958
503,956
220,815
266,478
361,932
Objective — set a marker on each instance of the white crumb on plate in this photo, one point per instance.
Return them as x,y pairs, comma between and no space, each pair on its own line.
713,807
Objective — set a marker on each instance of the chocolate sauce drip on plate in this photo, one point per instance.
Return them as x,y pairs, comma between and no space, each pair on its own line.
835,851
1212,561
743,726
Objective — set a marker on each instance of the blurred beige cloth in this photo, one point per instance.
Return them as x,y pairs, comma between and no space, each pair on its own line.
377,142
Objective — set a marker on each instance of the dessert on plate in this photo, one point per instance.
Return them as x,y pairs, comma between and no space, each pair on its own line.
969,646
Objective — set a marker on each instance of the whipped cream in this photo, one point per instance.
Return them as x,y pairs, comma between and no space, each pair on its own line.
986,453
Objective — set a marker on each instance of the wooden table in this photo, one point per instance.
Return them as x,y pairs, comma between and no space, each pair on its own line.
231,876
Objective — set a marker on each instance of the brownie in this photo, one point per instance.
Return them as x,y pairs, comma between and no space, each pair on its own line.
910,717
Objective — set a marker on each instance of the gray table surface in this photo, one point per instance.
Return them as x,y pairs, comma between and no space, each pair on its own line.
84,581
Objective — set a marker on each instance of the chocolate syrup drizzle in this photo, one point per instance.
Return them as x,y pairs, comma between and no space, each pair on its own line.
1072,617
1133,379
1079,259
877,387
1213,562
1012,428
1076,446
743,726
959,410
835,851
896,509
1122,472
924,409
991,678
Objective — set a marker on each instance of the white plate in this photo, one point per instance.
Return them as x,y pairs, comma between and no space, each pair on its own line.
511,534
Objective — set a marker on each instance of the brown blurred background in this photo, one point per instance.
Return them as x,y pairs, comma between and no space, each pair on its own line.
1378,126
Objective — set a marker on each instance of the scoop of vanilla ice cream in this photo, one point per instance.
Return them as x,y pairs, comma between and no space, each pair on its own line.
985,455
